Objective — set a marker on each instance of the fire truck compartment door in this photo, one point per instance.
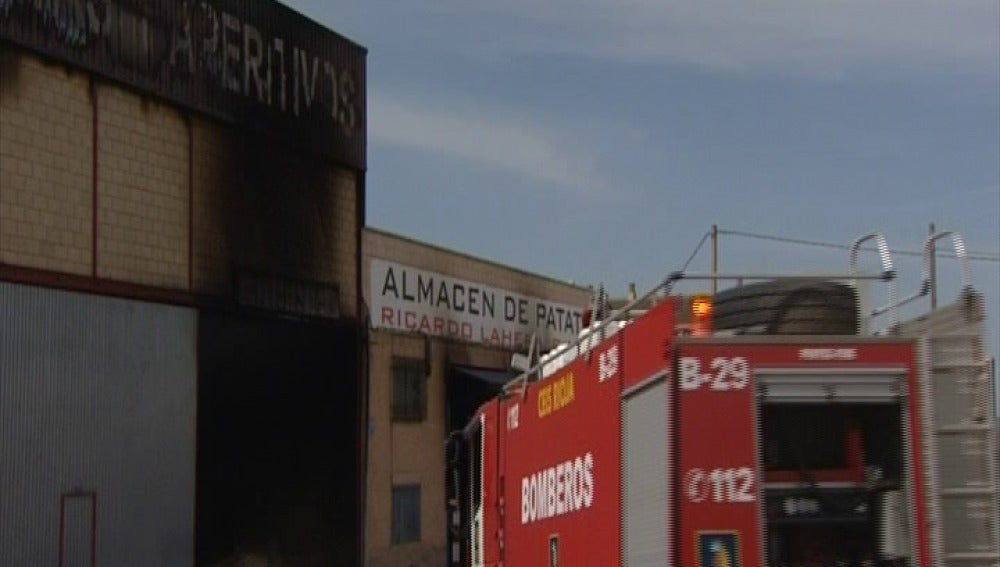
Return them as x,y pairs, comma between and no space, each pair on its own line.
645,478
818,386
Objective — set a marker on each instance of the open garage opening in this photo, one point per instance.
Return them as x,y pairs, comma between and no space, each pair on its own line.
278,451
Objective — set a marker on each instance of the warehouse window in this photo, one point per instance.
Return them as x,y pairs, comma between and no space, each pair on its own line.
409,389
405,513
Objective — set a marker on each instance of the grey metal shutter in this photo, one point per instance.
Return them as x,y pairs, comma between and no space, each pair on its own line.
645,479
825,386
97,429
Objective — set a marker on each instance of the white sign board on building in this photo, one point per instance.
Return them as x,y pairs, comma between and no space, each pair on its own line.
412,299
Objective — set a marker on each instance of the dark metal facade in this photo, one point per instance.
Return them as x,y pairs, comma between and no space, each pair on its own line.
252,63
97,430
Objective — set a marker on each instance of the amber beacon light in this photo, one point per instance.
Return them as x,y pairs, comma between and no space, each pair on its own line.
701,315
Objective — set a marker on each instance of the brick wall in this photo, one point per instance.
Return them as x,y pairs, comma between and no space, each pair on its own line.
411,452
383,468
142,196
181,201
256,208
406,452
46,161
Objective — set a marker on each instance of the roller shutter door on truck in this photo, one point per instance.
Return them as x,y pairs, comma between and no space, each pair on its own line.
645,478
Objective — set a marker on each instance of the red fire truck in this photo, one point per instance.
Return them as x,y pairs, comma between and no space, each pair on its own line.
766,425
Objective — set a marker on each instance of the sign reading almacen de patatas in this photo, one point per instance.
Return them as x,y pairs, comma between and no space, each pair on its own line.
411,299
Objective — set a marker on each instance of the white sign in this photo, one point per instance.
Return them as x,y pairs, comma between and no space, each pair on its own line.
410,299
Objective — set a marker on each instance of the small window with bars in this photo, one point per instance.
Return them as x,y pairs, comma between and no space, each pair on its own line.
405,514
409,389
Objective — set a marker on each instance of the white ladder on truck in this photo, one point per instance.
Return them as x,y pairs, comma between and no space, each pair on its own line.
959,431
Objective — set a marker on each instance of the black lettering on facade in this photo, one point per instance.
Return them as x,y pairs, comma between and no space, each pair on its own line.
443,297
181,46
231,53
279,51
307,74
550,319
425,290
390,284
210,55
571,322
473,300
509,308
331,74
253,59
488,301
406,293
190,52
348,89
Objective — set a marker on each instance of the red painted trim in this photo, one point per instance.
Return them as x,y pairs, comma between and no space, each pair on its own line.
918,464
94,177
856,451
190,243
620,445
62,528
674,456
89,495
93,530
500,478
96,286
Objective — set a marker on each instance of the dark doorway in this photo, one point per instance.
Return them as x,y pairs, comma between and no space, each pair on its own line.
278,455
470,387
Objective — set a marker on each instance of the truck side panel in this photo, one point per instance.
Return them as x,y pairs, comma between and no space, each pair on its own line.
561,472
560,453
718,493
723,385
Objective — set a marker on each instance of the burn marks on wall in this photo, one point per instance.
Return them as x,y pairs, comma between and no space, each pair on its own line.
256,64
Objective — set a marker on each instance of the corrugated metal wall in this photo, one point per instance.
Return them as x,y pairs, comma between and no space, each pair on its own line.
96,395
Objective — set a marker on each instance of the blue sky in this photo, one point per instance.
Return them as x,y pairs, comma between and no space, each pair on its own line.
598,140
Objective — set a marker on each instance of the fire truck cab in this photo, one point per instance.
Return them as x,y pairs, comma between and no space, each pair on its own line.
764,426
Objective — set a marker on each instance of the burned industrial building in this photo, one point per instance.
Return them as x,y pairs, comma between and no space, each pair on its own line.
182,358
